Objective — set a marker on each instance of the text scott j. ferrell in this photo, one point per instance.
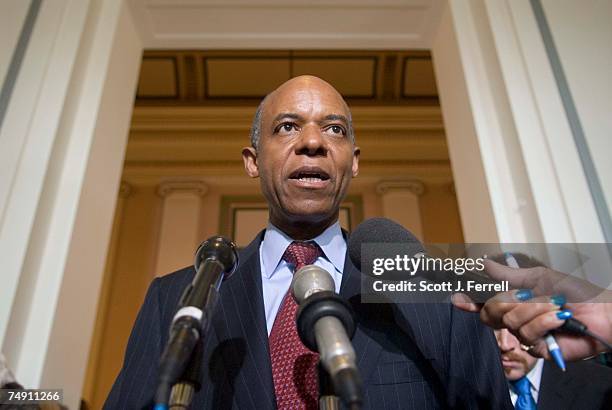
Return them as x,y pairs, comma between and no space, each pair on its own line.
450,286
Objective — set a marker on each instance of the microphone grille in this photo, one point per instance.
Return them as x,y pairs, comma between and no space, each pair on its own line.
311,279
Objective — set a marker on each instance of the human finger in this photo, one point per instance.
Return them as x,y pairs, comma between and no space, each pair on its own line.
537,328
464,302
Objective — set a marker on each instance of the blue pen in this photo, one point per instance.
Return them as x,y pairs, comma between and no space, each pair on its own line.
551,343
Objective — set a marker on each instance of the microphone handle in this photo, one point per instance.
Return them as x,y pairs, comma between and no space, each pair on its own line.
328,400
333,345
325,322
209,276
189,325
184,337
189,383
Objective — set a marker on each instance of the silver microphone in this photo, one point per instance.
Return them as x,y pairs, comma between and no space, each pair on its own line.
325,324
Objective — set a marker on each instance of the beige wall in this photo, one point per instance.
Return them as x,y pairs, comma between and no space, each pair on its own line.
129,274
440,215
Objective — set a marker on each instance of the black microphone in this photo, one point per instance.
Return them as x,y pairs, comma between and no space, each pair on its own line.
216,259
325,324
391,236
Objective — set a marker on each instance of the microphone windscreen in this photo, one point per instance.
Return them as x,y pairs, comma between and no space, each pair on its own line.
221,249
311,279
380,230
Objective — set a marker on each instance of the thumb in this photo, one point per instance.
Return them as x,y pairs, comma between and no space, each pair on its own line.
517,278
463,302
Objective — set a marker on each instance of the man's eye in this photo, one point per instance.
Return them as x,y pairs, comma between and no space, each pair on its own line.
336,129
286,127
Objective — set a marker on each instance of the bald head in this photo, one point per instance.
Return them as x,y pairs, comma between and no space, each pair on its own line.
294,85
303,154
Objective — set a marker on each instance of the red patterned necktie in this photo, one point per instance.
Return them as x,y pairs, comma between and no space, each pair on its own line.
294,366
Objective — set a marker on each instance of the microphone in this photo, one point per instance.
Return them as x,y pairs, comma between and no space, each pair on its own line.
385,231
215,260
381,230
325,324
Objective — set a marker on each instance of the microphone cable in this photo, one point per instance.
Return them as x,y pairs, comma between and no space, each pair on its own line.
576,327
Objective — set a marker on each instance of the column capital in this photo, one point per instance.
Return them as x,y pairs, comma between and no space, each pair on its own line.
198,188
414,186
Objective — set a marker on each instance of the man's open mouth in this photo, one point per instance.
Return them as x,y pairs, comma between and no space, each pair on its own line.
309,175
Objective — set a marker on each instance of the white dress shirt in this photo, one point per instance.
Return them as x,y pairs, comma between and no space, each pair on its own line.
535,377
276,274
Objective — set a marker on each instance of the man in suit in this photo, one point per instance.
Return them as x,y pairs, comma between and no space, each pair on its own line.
541,385
409,355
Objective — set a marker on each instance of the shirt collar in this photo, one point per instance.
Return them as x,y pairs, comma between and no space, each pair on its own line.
535,375
275,242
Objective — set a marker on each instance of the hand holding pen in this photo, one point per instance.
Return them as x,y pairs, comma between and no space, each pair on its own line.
551,343
531,322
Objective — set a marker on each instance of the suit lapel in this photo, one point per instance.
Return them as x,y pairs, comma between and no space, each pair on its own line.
374,321
240,328
366,349
555,388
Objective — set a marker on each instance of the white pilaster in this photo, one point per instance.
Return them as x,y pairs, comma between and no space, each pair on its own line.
516,168
28,134
493,189
179,233
400,201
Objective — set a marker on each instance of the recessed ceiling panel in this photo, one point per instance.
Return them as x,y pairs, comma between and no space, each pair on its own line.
352,77
158,78
419,78
244,77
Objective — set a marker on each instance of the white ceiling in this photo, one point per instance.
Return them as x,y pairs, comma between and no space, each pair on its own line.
287,24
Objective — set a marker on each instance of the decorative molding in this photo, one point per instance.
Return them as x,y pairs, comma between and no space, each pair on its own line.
169,187
125,189
239,118
414,186
253,24
155,173
300,4
205,77
211,138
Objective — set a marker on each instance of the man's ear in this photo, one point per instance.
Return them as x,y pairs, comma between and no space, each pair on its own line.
356,152
249,157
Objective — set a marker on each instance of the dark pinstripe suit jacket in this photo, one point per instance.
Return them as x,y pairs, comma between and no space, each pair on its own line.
585,385
411,356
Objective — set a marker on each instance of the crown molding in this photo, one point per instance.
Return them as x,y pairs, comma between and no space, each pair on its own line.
272,24
167,188
208,118
415,186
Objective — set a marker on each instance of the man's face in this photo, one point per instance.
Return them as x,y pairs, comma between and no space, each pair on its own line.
305,157
516,362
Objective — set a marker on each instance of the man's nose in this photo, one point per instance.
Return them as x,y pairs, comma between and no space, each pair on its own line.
505,340
312,141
